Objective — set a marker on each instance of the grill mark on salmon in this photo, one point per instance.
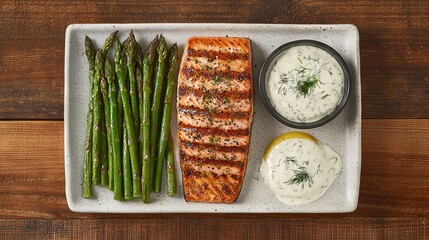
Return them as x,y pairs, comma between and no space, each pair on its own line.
212,55
213,122
202,83
212,74
212,147
214,102
200,63
219,94
193,111
225,141
215,173
210,154
215,107
213,165
193,170
213,131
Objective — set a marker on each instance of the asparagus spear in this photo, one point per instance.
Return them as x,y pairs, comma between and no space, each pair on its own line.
119,116
106,147
125,45
131,64
120,113
156,101
165,122
107,134
104,155
87,187
145,119
126,164
97,107
121,71
116,172
139,79
171,171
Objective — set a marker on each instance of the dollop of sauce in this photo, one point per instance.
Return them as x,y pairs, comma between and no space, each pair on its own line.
300,171
305,84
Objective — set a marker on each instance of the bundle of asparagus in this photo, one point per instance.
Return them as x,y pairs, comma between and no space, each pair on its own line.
128,138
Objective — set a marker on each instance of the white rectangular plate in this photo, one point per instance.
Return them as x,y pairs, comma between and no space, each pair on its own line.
343,134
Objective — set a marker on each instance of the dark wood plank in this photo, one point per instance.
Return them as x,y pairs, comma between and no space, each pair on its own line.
395,167
31,79
395,170
394,46
32,169
342,228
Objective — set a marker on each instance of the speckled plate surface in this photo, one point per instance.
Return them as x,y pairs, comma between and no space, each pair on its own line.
343,134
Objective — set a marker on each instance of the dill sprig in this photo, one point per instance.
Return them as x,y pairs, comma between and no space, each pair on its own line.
305,86
301,177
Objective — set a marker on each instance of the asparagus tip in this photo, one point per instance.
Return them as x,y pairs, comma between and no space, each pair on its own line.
132,37
113,34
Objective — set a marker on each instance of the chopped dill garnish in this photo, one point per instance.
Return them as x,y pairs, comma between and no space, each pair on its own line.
290,160
302,70
283,80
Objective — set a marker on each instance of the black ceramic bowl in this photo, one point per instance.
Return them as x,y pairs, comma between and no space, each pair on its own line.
268,65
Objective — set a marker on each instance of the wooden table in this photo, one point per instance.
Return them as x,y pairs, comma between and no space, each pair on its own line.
394,190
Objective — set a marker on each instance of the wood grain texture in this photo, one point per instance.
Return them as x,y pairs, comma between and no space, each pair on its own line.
394,181
394,192
394,45
342,228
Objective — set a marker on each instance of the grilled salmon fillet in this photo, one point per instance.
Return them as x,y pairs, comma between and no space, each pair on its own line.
215,107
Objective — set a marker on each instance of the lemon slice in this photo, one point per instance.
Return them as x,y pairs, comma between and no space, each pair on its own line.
286,136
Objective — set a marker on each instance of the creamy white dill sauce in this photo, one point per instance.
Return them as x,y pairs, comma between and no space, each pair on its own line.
299,171
305,84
